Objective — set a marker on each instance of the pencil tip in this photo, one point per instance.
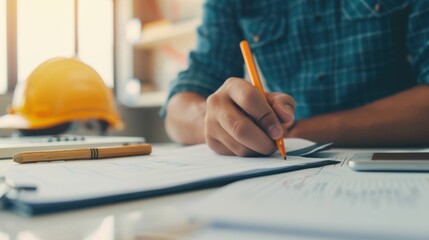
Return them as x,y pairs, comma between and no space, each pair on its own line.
285,157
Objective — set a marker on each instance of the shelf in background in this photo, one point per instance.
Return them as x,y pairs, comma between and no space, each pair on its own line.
165,31
146,99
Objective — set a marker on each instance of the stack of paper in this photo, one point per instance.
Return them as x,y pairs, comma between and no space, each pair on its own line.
352,206
76,184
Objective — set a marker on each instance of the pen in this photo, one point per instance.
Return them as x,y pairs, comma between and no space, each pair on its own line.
82,153
254,76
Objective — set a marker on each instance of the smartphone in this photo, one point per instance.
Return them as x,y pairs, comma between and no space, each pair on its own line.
391,161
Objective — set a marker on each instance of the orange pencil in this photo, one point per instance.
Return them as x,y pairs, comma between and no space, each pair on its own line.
254,76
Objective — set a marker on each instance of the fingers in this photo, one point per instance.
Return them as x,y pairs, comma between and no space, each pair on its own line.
227,124
229,146
283,105
221,141
245,131
248,98
240,121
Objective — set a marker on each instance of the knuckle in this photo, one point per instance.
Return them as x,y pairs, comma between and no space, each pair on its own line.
230,82
211,100
247,95
267,119
235,127
238,129
224,117
292,101
283,99
236,84
214,104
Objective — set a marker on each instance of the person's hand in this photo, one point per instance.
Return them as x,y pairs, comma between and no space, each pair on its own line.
240,121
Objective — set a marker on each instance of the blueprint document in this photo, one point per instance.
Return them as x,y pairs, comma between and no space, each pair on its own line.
330,202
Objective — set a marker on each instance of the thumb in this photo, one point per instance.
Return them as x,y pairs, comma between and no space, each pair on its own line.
271,124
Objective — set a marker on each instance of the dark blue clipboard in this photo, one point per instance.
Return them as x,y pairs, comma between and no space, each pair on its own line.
30,209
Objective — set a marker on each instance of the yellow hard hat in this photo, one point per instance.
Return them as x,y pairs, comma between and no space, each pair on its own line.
61,90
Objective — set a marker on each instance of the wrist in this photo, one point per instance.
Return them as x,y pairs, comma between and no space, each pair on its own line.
185,118
201,109
324,128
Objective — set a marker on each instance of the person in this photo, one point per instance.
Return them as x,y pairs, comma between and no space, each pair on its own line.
355,73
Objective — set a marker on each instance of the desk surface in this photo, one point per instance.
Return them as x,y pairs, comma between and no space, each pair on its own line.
154,218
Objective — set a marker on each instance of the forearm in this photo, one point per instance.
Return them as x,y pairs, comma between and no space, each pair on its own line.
185,118
398,120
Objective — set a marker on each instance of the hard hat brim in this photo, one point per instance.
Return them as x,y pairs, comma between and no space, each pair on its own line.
14,121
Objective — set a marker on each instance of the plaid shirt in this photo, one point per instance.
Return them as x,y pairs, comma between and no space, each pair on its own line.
329,55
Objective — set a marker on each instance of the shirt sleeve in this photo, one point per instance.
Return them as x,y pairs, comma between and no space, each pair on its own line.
217,56
418,40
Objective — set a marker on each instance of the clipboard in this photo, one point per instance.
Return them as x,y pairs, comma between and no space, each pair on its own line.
40,188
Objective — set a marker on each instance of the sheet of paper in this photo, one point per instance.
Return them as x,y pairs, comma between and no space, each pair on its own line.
225,232
303,147
67,181
325,204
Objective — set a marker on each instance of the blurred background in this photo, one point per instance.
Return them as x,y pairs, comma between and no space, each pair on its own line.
137,47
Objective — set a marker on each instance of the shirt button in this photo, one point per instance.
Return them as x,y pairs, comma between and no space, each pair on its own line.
321,77
377,7
256,38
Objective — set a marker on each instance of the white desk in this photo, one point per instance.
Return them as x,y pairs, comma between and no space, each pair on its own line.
154,218
141,219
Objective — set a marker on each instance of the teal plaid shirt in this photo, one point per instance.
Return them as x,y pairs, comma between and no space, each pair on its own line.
330,55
